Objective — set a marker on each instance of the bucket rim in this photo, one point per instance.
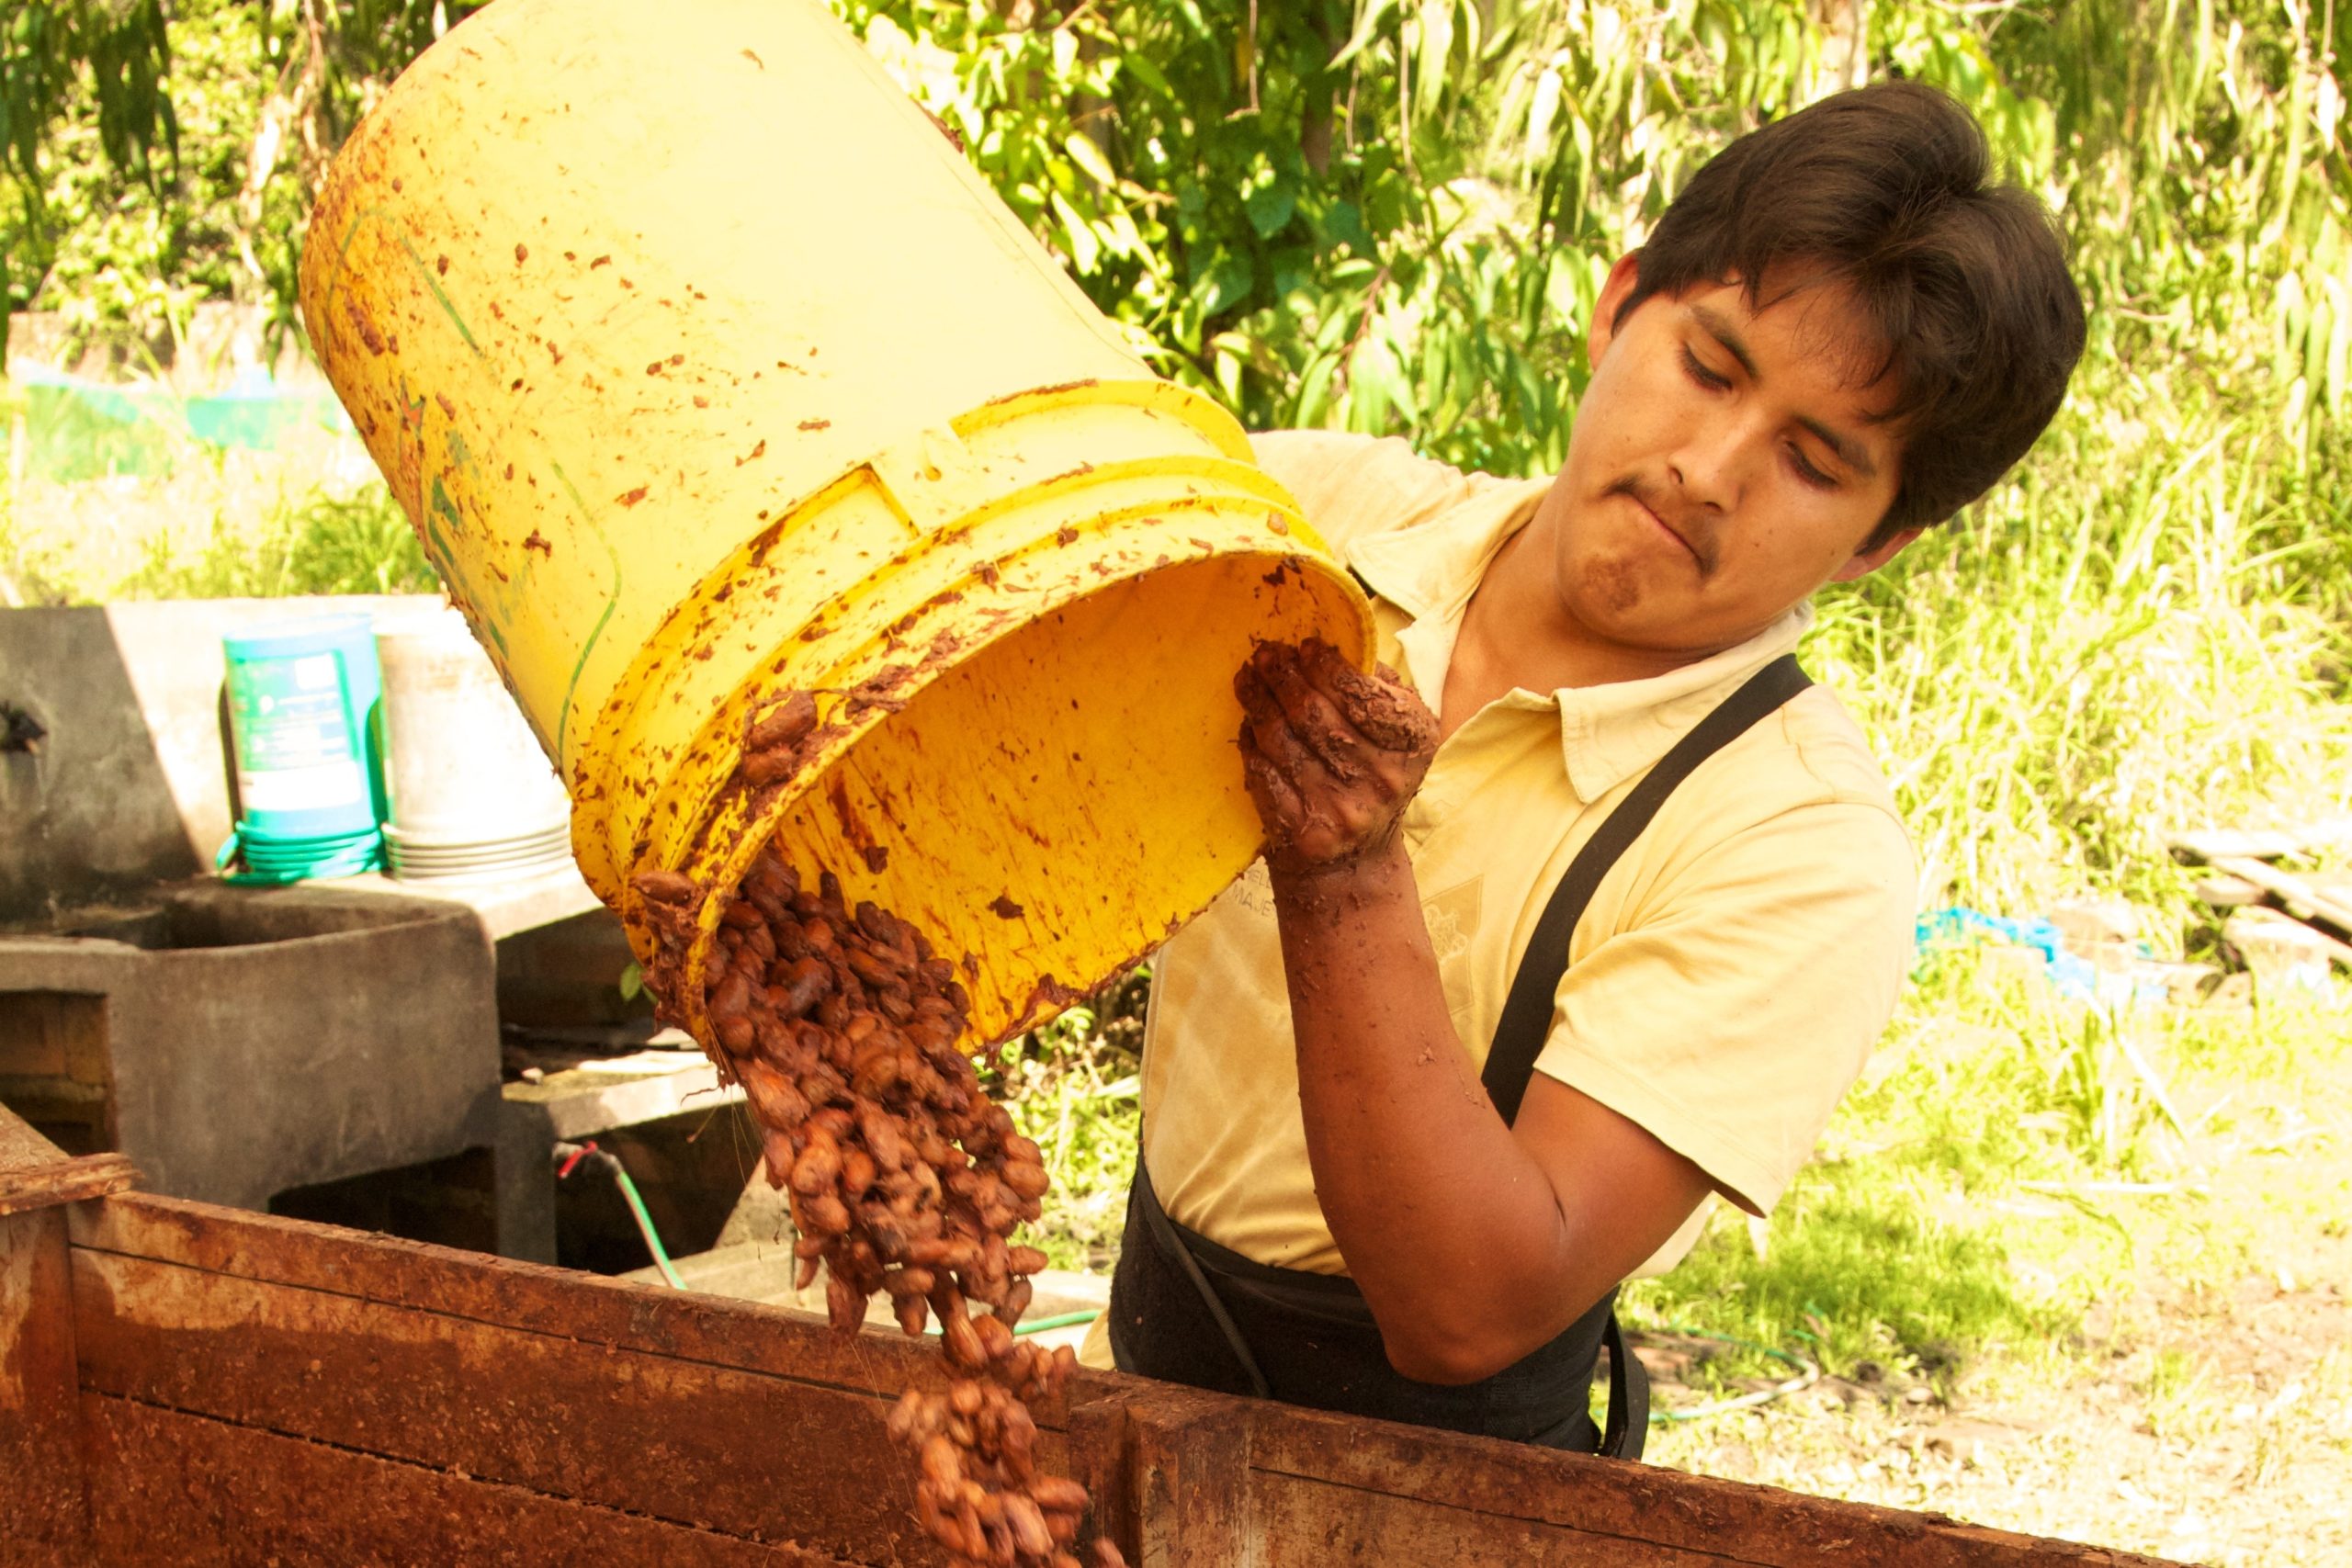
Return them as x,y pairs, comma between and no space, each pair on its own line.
268,641
716,847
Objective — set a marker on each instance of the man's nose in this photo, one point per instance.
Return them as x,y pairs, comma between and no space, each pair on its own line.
1711,463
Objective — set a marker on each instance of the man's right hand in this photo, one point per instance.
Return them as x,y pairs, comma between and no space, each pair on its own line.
1331,755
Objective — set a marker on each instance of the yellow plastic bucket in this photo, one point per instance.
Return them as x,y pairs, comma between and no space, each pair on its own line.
707,370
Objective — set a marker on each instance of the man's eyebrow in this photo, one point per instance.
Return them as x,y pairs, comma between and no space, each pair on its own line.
1722,332
1848,451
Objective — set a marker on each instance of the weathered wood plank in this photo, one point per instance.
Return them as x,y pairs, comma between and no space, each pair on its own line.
1715,1520
169,1487
1098,1450
748,1452
526,1296
1298,1523
1189,1480
759,1423
61,1181
42,1518
21,1147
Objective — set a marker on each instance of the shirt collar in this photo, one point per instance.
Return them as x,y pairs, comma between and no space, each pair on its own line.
1607,733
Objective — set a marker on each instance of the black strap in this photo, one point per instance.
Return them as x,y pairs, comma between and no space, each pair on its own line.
1526,1021
1163,1230
1628,1428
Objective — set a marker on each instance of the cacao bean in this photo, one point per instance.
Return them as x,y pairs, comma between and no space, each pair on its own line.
1028,1525
844,1303
844,1029
733,995
1059,1495
963,1343
663,886
995,1338
942,1465
819,1167
787,723
761,769
825,1213
857,1172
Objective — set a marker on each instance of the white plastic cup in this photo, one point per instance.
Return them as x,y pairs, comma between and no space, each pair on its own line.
462,767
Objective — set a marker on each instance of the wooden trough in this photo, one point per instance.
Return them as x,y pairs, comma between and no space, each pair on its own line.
184,1384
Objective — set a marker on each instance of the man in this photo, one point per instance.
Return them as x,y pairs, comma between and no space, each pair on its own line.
1404,1133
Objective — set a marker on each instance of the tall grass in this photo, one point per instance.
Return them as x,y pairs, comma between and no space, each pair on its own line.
2142,632
320,544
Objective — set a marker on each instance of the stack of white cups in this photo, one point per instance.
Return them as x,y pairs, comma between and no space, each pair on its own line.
471,793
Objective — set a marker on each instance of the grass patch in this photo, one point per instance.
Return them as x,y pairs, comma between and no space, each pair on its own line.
1855,1277
2006,1166
2142,631
323,544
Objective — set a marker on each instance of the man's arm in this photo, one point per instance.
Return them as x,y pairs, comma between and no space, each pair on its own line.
1474,1242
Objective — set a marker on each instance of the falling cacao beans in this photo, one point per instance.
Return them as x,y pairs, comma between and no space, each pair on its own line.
843,1028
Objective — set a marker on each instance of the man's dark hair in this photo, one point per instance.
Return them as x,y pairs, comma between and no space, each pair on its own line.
1888,191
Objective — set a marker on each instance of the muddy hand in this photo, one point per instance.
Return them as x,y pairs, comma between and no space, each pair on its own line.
1330,754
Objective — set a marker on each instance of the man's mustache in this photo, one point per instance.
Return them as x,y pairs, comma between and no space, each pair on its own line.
1678,520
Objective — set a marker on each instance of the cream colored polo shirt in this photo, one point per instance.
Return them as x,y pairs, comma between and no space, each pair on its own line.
1724,985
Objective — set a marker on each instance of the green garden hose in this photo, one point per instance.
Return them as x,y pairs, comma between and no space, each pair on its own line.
573,1154
1807,1375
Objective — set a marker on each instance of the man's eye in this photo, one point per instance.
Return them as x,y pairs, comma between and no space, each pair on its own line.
1700,374
1807,472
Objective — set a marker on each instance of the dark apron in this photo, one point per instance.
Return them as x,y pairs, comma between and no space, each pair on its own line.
1186,1310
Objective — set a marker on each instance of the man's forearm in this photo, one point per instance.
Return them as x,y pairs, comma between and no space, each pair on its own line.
1450,1228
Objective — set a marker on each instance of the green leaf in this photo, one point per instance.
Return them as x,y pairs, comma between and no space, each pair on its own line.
1269,206
1225,282
1089,157
1367,28
1434,23
1343,224
1085,249
1136,63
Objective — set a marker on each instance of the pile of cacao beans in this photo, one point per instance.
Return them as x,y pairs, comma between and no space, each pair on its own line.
845,1031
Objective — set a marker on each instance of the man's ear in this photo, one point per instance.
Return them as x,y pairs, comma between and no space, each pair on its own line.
1877,556
1602,329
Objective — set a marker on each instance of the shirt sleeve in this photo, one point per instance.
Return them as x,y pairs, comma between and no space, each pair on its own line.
1349,486
1736,1009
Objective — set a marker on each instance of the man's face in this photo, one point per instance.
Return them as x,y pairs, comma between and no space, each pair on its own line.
1723,464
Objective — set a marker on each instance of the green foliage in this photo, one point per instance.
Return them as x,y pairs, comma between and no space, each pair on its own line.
1074,1085
357,543
48,46
245,102
58,57
2144,631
